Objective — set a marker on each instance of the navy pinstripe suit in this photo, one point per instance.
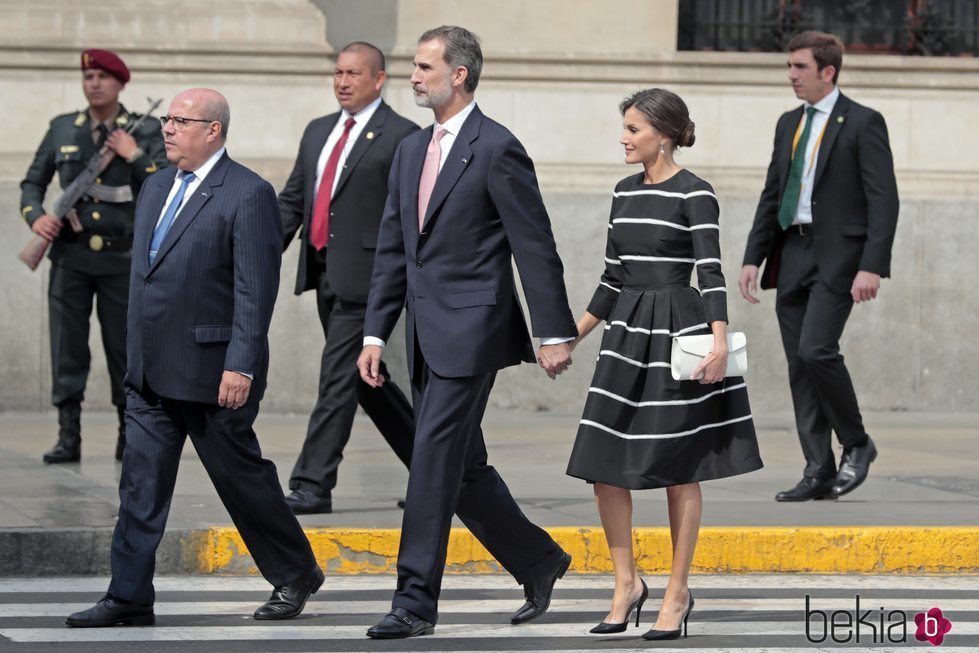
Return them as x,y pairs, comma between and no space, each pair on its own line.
203,307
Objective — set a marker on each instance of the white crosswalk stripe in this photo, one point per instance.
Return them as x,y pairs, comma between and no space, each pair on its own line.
733,614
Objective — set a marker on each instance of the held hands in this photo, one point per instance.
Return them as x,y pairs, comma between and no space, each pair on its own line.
554,358
713,368
748,283
865,286
47,227
123,144
234,389
369,365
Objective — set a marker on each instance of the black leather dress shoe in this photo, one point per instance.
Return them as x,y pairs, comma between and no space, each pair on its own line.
306,502
853,468
808,488
398,624
287,601
538,591
110,611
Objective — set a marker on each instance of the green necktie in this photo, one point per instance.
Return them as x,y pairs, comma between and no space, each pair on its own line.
790,198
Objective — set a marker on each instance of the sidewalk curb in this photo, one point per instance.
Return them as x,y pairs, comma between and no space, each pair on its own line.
823,550
862,550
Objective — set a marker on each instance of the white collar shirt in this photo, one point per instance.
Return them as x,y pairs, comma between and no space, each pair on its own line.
452,128
803,213
199,175
362,117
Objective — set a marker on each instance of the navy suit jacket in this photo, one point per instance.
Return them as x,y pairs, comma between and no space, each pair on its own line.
854,198
456,276
357,205
205,304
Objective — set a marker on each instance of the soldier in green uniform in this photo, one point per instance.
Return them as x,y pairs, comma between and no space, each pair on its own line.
95,262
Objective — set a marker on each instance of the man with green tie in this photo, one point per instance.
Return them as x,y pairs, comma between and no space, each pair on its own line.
824,226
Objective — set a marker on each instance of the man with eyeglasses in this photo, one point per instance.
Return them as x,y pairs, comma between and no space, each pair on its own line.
336,193
207,249
94,263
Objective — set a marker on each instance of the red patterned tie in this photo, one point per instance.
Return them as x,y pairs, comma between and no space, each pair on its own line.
319,231
430,171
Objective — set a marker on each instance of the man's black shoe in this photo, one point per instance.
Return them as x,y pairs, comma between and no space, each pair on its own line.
853,468
398,624
287,601
808,488
307,502
538,592
63,453
110,611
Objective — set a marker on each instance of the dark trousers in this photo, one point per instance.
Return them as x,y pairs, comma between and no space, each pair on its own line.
70,297
340,390
247,484
811,318
449,472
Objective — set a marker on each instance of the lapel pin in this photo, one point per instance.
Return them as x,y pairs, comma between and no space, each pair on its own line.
839,119
370,135
465,160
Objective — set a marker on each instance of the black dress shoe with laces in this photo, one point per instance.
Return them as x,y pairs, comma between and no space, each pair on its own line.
853,468
809,488
110,611
287,601
538,591
307,502
398,624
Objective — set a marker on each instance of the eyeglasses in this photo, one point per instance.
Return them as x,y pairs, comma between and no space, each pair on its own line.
179,123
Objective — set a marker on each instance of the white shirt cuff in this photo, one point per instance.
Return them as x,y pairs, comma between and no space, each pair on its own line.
554,341
371,340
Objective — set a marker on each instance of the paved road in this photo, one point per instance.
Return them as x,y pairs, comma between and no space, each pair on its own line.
733,613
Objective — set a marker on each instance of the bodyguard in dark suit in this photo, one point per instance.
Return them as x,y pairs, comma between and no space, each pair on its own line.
825,225
93,264
205,274
336,193
463,203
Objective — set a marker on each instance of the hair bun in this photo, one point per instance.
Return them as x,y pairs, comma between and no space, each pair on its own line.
687,138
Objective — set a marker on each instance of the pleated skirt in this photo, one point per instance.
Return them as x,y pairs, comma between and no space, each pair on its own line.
640,428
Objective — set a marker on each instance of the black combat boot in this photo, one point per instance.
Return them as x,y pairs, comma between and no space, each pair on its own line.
68,449
121,441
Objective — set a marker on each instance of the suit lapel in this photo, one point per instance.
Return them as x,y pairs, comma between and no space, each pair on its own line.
785,158
833,128
154,208
368,134
315,143
412,176
192,207
455,164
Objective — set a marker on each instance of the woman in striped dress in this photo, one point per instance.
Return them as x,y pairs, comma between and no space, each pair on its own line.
640,428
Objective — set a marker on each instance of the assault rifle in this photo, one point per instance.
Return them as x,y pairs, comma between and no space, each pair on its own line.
64,208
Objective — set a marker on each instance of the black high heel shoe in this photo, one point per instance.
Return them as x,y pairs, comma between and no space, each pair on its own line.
654,634
605,628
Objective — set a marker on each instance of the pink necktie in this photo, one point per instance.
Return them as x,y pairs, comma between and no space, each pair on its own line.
430,171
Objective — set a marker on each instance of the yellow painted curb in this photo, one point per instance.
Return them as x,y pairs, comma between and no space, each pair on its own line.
864,550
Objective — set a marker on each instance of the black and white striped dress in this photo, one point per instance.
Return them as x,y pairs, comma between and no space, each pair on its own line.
640,428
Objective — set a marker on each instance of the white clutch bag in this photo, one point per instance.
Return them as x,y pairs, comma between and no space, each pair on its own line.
689,351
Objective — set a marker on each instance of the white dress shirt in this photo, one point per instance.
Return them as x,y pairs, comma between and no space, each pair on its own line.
199,175
803,213
362,117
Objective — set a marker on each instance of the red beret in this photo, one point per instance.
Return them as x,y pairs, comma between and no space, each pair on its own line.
107,61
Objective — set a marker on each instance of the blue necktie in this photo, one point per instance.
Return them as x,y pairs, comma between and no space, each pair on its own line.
168,216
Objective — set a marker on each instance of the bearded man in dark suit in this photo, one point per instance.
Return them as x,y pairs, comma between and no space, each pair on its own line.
463,204
825,224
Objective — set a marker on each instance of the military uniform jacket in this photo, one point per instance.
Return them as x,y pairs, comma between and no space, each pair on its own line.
66,149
